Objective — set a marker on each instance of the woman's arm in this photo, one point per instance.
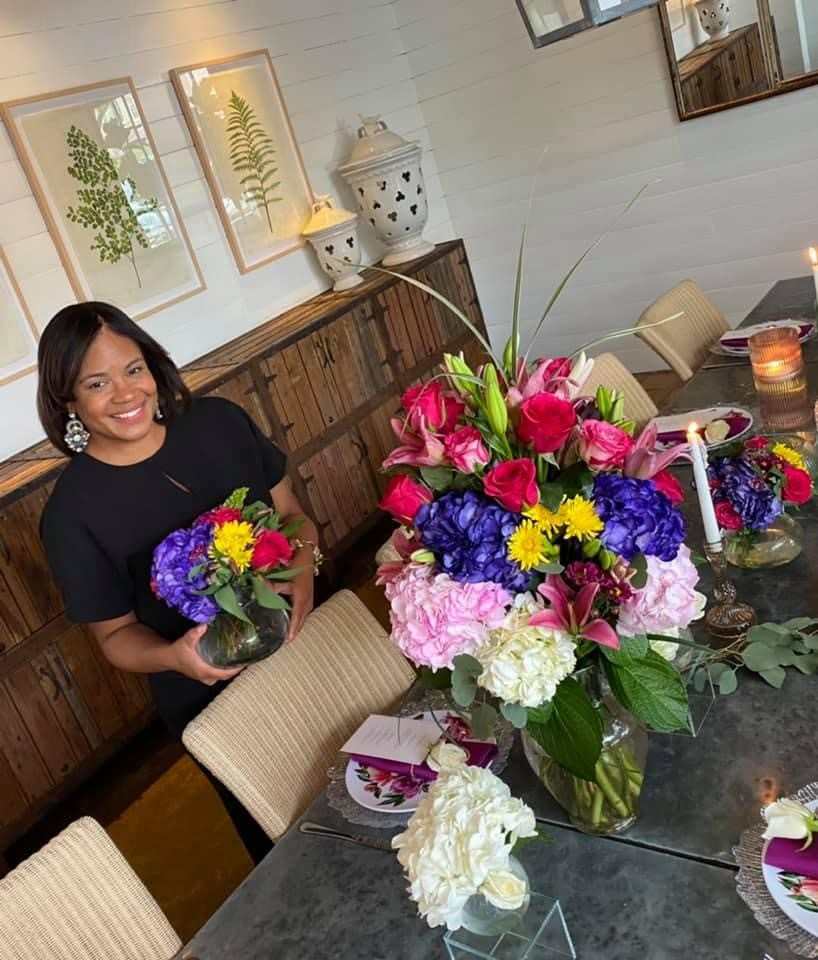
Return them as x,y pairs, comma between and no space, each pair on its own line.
300,588
136,648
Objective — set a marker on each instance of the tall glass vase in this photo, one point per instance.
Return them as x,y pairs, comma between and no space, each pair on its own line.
611,804
231,642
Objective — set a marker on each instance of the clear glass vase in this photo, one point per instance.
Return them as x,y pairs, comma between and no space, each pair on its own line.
780,543
611,804
483,918
230,642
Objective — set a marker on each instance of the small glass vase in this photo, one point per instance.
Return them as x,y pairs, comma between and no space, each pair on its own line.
610,805
482,918
230,642
780,543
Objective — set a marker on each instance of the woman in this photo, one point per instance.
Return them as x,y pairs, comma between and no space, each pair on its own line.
146,459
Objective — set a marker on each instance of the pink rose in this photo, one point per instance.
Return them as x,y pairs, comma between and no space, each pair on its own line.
404,497
757,443
513,484
545,422
440,408
797,485
466,450
602,445
669,485
727,516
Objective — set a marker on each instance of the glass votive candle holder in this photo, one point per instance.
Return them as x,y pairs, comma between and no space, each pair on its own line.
780,380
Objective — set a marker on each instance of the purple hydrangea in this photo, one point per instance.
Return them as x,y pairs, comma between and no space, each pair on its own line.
173,560
638,518
737,482
467,533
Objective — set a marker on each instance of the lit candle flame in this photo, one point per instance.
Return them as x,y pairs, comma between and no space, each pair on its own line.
813,255
693,428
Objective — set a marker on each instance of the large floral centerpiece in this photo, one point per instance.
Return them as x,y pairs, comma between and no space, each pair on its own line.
753,482
224,571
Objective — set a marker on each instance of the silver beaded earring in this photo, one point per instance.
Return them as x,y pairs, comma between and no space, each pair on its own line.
158,415
76,436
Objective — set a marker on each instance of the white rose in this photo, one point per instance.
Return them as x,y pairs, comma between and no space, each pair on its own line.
504,890
787,818
700,600
446,756
666,648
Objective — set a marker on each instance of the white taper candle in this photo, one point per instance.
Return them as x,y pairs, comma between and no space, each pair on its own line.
698,454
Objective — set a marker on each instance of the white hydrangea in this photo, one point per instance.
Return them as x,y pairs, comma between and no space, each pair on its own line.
458,843
524,664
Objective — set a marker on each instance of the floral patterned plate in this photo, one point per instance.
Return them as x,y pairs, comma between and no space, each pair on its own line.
384,791
797,896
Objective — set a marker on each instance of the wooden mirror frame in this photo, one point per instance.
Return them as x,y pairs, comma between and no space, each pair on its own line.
779,85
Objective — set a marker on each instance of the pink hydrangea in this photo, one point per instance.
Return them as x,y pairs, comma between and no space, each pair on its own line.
668,599
435,618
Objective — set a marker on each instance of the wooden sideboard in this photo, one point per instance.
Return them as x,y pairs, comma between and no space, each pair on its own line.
724,70
323,381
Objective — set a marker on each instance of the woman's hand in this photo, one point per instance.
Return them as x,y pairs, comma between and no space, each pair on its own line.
186,658
299,592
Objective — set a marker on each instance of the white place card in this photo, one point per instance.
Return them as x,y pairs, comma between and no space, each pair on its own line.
393,738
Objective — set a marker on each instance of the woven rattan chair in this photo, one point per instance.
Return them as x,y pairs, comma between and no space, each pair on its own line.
77,899
273,733
608,371
683,343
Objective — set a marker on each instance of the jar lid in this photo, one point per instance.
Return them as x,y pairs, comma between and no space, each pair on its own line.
326,214
375,140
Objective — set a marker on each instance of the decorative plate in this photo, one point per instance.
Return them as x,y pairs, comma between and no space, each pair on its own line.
376,798
734,343
673,429
770,893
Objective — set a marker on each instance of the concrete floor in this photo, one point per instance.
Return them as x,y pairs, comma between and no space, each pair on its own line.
164,815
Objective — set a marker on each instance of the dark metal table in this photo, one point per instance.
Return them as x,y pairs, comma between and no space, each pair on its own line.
663,891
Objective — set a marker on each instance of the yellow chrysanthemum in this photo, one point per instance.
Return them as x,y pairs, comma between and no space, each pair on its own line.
790,455
234,540
527,546
581,520
549,521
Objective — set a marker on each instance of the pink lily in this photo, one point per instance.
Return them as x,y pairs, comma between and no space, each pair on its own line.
404,547
572,612
419,448
645,461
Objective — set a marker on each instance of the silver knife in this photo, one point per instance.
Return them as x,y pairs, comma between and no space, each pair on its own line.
319,830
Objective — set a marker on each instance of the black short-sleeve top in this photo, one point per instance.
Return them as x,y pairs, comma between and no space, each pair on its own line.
102,522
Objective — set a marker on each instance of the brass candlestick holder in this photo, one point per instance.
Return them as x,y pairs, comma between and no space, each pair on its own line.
728,620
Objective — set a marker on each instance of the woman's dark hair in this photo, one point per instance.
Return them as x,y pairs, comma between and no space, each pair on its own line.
63,346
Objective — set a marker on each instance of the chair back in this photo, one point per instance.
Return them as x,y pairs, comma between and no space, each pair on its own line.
78,899
683,343
273,733
609,371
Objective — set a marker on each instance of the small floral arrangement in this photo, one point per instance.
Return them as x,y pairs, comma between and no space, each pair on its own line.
754,481
459,841
230,554
791,820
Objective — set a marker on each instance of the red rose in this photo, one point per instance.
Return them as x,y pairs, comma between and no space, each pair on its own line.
727,516
756,443
602,445
440,408
545,422
272,549
797,485
514,484
220,515
404,497
669,485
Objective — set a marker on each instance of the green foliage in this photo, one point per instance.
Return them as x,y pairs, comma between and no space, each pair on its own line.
649,687
570,731
237,498
252,155
434,679
516,714
105,203
464,679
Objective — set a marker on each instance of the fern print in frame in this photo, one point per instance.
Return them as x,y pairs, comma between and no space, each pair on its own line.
252,155
244,140
106,203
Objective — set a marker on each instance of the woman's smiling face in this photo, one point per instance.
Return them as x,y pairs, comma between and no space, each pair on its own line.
115,395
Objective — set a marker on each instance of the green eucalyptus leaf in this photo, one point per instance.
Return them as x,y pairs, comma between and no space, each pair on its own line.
728,682
552,567
771,634
717,671
516,714
799,623
651,689
699,680
468,664
775,676
759,656
810,640
482,720
572,734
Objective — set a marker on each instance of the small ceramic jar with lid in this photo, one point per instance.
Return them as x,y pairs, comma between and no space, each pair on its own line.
333,233
384,171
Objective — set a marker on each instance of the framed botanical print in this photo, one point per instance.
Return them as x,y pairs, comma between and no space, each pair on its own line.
18,334
249,154
96,175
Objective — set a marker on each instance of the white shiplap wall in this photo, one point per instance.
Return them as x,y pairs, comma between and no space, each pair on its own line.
735,209
334,59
